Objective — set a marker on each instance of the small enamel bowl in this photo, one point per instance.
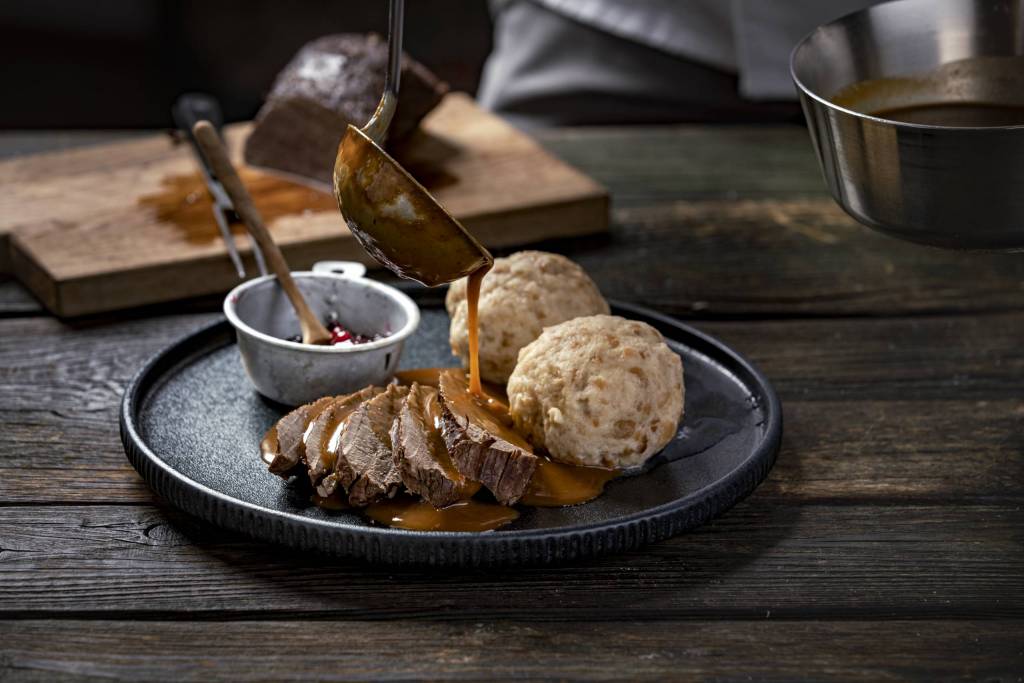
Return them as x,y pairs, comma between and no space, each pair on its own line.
292,373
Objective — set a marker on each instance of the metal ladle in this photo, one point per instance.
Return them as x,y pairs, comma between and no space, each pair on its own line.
395,218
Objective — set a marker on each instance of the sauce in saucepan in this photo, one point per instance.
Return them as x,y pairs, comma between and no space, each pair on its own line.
977,92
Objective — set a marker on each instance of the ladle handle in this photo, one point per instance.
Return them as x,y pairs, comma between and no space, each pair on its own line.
377,127
206,135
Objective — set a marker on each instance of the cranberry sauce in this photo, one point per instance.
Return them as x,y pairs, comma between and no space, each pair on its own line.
340,336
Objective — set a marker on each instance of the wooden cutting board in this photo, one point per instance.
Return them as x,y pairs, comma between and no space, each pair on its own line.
128,224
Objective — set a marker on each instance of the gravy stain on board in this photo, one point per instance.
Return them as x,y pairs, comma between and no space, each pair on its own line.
185,203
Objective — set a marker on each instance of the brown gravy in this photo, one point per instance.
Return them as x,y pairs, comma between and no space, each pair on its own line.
432,412
558,485
976,92
430,377
313,415
484,409
407,512
963,114
330,442
184,202
473,325
335,502
427,377
269,448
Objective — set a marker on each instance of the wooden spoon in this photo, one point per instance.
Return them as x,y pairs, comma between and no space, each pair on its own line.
313,331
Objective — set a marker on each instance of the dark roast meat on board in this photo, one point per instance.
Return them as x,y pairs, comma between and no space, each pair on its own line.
420,453
482,447
331,82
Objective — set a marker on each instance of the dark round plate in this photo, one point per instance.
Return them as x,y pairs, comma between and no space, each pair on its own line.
191,425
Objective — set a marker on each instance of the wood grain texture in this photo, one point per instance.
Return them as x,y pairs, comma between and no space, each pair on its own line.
358,650
919,409
903,451
652,165
785,257
83,366
803,561
85,238
935,358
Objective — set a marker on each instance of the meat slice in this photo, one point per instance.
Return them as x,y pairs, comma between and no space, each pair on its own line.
363,464
420,453
331,82
482,443
323,434
283,447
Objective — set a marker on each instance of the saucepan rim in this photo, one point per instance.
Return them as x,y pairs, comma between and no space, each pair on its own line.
846,19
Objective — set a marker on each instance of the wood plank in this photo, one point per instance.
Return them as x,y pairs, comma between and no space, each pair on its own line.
934,650
784,257
899,450
940,358
77,368
923,409
111,227
648,165
761,558
907,451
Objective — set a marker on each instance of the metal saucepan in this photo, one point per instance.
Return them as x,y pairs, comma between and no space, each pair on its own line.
960,187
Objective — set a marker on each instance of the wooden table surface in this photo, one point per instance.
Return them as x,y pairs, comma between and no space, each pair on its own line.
886,543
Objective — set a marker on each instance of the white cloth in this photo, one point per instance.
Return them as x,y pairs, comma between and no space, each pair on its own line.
699,30
751,38
766,31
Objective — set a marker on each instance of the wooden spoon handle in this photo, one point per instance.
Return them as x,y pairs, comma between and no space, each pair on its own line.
313,331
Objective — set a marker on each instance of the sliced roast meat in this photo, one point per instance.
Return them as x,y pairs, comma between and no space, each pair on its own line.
481,442
363,464
420,453
323,434
283,447
331,82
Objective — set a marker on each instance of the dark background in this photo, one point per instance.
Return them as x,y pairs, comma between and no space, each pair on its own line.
121,63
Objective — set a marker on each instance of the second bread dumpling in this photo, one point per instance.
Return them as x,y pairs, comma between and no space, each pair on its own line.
601,391
523,294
